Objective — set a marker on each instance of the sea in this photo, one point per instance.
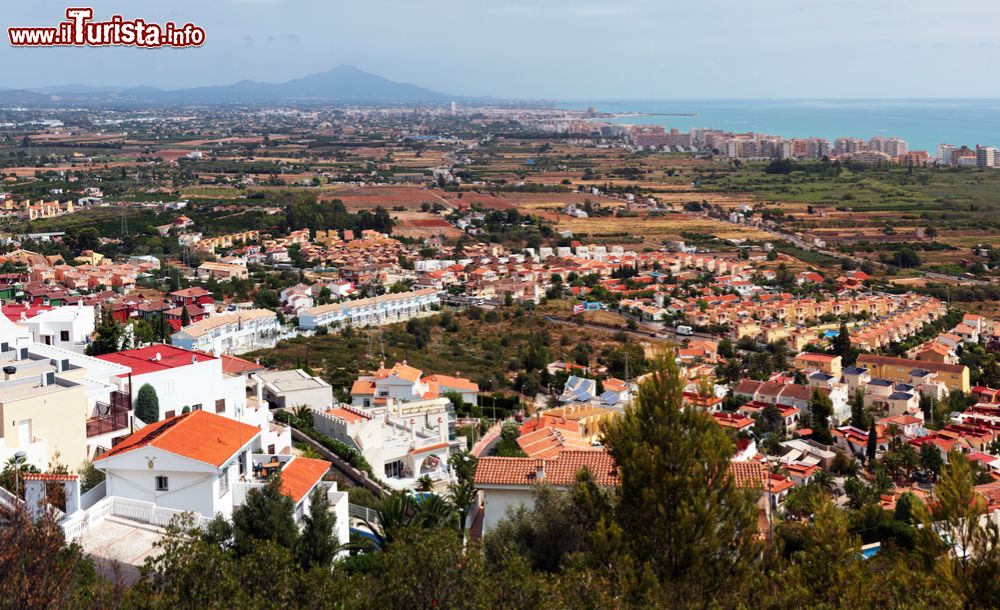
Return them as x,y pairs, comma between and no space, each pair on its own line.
922,123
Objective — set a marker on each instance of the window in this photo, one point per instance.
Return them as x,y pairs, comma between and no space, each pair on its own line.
220,405
270,449
64,336
394,469
224,482
162,484
243,463
169,414
196,407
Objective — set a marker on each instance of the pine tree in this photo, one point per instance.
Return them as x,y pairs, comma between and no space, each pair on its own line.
681,518
859,415
872,448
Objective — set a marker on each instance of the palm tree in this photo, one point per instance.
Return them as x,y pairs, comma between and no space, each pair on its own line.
425,483
824,480
402,510
462,494
393,514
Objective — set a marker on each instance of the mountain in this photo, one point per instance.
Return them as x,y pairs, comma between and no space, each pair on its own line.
23,97
341,84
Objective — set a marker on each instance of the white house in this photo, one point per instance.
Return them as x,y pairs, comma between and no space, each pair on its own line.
506,483
69,327
404,383
200,463
400,443
287,389
187,380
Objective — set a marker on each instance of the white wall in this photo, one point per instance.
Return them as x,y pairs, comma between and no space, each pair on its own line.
497,501
200,383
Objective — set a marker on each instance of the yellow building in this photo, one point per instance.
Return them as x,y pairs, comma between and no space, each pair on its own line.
954,376
823,363
589,420
47,420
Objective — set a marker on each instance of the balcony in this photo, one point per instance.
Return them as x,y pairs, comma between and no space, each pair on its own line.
110,418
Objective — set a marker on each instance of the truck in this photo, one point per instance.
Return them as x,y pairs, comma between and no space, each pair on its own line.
684,330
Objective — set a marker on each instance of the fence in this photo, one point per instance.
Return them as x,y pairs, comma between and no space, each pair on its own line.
363,512
134,510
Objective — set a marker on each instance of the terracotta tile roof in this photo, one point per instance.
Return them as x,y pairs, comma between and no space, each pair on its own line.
871,360
403,371
49,476
300,475
231,365
363,387
549,442
748,474
434,447
559,470
346,414
457,383
198,435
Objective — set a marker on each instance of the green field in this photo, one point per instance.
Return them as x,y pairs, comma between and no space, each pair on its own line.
960,198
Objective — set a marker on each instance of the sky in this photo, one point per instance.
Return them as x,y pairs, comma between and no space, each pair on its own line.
548,49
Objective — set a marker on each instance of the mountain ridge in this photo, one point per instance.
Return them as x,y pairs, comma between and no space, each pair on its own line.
343,83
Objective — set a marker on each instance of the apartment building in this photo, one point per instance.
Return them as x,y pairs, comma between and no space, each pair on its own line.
954,376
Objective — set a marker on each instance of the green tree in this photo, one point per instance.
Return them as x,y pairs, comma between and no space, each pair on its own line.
821,407
955,536
871,450
930,458
266,514
859,414
841,344
147,404
317,545
698,529
108,336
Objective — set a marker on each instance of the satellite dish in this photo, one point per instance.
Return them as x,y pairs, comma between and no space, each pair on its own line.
103,408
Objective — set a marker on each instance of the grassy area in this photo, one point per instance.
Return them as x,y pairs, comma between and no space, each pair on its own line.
488,347
958,196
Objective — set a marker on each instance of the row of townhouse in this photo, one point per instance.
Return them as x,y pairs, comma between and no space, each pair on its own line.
790,310
899,326
231,333
121,277
374,311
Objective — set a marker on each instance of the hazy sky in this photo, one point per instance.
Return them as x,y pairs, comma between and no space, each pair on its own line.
551,49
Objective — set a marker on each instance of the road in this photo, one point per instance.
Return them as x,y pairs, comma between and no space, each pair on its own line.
667,334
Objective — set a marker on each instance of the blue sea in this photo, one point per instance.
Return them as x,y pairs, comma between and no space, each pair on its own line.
922,123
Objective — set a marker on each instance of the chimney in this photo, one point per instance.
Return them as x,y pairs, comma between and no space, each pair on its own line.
42,380
194,359
8,372
539,470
